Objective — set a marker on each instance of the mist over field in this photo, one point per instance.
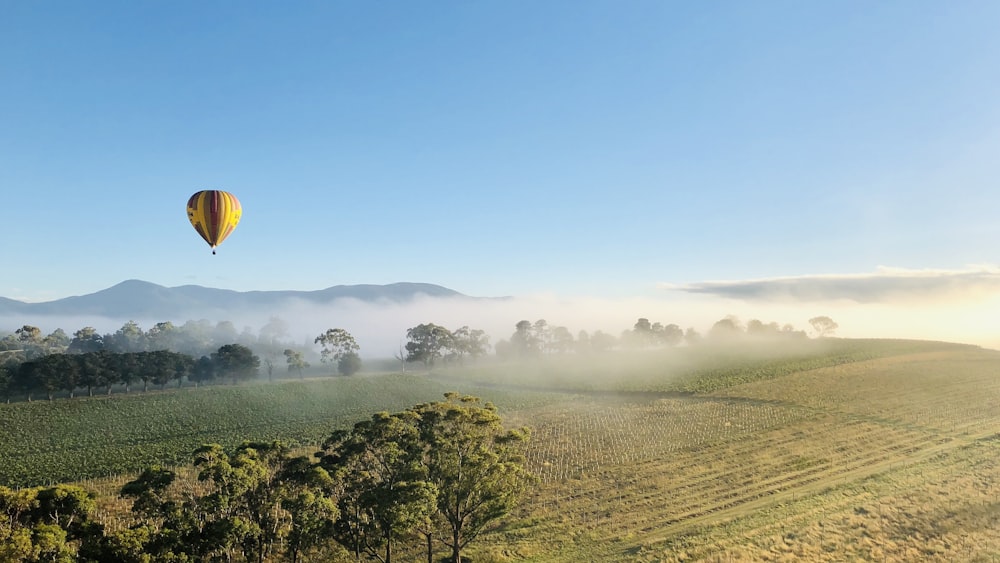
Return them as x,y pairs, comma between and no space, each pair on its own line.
380,328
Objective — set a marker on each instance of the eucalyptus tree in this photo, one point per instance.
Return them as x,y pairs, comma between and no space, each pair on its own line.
85,340
542,334
129,338
823,325
235,361
426,343
670,335
312,510
476,464
270,344
43,524
224,333
203,371
524,342
163,336
474,343
67,366
562,340
246,495
37,375
295,361
29,341
55,342
164,366
6,381
385,494
340,346
195,338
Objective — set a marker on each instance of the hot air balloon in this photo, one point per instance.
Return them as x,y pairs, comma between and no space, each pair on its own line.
214,214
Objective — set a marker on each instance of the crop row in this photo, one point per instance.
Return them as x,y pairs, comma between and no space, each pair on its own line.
46,442
953,391
661,484
585,437
942,508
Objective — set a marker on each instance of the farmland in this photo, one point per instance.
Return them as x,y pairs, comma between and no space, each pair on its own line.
894,458
870,450
63,440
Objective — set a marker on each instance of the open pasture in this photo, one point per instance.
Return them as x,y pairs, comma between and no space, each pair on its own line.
894,458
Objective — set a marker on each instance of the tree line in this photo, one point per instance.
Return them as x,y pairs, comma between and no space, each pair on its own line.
428,479
102,369
194,338
32,363
537,339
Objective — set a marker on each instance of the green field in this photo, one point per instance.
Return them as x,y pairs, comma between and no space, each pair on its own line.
839,450
71,439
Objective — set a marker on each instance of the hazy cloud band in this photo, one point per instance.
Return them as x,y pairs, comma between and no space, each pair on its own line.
884,285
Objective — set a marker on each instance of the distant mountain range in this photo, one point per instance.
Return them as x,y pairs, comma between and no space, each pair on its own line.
136,299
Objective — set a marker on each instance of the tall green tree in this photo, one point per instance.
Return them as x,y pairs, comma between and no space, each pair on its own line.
203,371
29,341
56,342
163,336
524,342
542,335
129,338
43,374
246,495
148,490
274,333
387,494
236,362
44,524
87,339
309,505
6,382
476,465
270,344
295,361
68,368
165,366
339,346
224,333
195,338
426,343
474,343
562,340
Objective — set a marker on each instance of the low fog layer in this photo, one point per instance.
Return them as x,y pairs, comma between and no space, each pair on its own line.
380,328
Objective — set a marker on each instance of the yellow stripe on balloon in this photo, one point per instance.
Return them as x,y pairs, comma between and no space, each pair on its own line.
214,214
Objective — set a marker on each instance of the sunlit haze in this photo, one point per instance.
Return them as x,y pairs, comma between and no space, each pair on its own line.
597,162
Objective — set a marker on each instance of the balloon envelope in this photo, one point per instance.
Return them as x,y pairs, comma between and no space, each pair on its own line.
214,214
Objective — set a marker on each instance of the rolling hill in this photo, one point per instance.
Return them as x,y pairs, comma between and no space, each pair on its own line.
141,299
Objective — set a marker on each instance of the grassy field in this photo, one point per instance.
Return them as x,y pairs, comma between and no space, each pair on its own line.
895,458
841,450
71,439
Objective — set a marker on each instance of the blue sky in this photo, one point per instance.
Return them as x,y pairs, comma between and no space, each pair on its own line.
609,149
